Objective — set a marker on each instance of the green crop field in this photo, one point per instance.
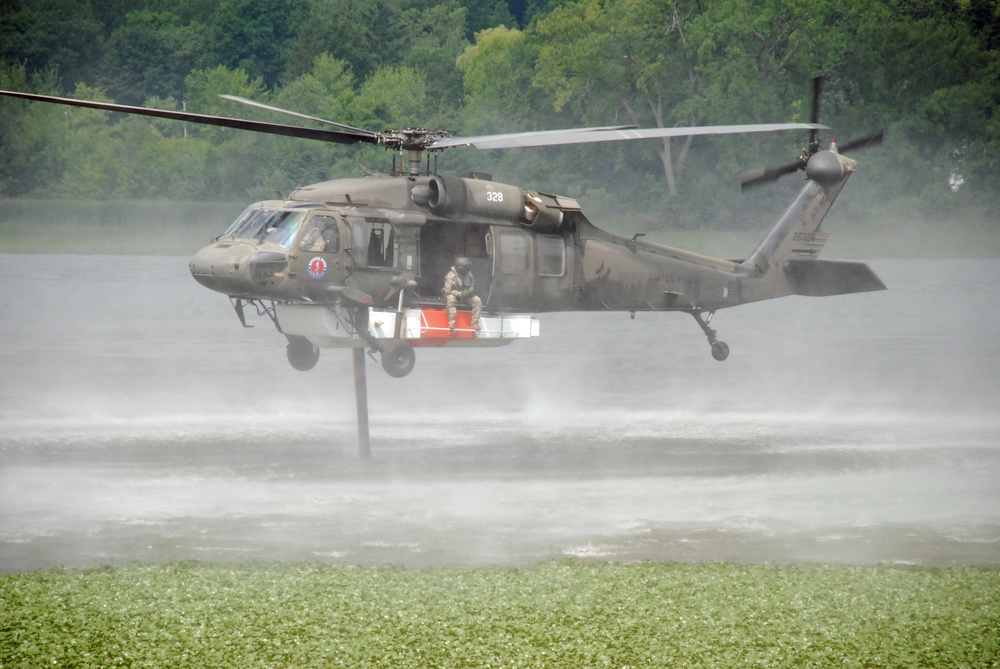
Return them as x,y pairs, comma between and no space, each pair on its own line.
564,614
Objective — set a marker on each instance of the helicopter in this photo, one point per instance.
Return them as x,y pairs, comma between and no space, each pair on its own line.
359,262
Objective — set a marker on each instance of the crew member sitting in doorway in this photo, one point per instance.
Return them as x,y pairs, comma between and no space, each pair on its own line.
460,287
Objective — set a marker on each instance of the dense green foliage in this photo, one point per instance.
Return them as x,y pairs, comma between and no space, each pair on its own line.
927,70
556,615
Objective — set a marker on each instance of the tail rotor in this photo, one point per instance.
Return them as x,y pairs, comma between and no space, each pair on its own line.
757,177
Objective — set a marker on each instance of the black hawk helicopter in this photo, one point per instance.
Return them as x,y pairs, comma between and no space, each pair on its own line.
359,262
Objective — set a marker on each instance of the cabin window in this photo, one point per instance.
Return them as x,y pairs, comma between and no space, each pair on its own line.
550,255
513,253
475,242
321,236
282,227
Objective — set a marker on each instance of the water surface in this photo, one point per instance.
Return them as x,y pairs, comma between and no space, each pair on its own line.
139,421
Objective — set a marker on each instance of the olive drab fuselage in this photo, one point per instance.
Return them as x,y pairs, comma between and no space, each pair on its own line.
531,252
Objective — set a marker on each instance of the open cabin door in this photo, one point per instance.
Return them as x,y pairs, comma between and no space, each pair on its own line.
440,243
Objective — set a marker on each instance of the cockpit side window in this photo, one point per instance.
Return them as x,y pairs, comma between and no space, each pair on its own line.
321,236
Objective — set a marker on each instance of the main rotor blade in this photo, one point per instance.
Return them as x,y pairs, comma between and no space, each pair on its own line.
590,135
253,103
337,137
476,139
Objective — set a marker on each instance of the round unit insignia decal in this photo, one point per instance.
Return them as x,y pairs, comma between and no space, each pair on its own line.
317,267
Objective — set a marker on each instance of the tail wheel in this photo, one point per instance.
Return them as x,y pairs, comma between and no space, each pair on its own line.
720,349
398,358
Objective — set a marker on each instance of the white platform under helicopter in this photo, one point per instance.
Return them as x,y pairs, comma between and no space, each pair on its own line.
420,327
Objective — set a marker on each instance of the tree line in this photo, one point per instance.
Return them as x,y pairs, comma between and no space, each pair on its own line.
926,70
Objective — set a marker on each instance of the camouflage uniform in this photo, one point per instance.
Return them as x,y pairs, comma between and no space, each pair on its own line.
459,288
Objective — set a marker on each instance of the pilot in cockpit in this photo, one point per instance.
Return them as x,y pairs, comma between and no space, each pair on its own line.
321,236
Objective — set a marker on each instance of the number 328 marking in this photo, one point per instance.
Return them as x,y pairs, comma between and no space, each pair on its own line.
494,196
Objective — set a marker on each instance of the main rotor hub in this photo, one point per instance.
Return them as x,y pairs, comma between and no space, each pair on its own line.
411,139
414,141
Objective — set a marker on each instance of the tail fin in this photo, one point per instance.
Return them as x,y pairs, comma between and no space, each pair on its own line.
786,258
797,235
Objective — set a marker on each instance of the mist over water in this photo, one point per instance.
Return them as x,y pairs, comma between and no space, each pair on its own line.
139,421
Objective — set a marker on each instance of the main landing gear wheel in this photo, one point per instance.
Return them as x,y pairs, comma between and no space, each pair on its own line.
720,350
398,358
302,354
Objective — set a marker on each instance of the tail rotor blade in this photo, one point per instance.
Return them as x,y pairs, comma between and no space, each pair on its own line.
764,175
874,139
814,116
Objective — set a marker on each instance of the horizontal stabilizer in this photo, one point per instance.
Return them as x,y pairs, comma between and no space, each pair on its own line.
821,278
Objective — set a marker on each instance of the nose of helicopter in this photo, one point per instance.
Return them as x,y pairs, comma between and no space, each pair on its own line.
223,267
201,269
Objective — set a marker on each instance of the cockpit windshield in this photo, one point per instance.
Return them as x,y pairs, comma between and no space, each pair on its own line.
253,224
251,219
283,227
241,220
